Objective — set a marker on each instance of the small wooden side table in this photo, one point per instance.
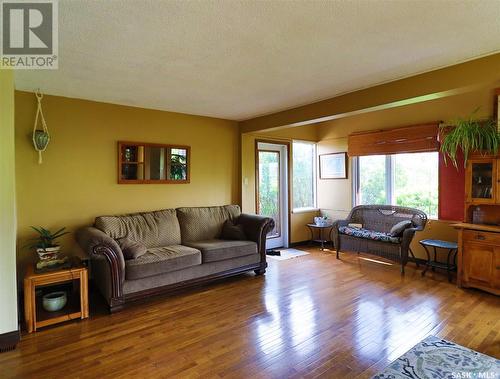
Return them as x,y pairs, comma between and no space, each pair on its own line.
321,240
76,307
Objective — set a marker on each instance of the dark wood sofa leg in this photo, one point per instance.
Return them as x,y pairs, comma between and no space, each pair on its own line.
260,271
402,269
8,341
338,254
116,305
115,308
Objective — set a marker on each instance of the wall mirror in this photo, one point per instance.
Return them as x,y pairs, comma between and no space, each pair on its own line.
149,163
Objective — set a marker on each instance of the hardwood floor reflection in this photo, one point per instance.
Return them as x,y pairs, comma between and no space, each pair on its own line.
312,316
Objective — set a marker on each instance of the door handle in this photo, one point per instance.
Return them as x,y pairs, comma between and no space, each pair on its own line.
480,237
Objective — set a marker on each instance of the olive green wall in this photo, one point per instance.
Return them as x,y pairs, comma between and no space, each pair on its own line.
8,291
78,178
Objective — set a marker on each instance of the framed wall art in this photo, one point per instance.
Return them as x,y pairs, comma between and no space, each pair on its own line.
333,166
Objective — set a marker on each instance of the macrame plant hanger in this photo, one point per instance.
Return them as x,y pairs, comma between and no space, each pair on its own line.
41,137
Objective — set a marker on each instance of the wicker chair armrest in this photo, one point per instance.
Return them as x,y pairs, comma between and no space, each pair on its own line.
338,223
408,237
335,232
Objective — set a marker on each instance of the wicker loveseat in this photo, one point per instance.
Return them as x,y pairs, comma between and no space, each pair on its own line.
367,230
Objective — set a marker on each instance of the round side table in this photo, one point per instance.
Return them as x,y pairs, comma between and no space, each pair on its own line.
321,240
451,259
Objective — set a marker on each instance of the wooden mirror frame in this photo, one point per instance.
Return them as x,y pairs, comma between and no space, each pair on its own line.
121,161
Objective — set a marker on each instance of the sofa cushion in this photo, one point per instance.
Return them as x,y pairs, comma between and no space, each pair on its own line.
204,223
218,250
160,260
131,249
368,234
232,231
153,229
400,227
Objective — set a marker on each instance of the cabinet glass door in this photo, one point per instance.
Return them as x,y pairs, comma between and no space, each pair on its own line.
482,181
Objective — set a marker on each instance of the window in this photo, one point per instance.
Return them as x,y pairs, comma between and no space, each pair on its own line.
409,180
304,175
372,180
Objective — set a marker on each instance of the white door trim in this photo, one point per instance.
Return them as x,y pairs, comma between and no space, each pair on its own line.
283,240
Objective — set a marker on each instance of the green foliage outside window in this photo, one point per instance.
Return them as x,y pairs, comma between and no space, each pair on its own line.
304,157
416,181
413,177
269,186
372,180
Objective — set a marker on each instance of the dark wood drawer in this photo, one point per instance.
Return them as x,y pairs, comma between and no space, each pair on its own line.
481,237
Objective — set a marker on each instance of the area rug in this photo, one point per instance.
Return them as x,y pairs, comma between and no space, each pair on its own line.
435,358
287,254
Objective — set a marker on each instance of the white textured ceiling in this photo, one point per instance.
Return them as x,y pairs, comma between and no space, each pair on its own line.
240,59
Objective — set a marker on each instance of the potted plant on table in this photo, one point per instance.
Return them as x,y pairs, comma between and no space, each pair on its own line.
45,243
322,221
469,135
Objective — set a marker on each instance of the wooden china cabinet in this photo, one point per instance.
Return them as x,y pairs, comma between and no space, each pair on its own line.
479,236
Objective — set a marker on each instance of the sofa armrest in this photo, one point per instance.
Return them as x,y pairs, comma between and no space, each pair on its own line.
256,229
99,245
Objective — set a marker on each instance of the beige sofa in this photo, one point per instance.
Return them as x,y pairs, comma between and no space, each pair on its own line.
184,248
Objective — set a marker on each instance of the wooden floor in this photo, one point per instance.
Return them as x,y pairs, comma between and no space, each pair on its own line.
312,316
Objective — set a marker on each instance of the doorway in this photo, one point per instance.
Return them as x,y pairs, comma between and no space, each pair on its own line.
272,190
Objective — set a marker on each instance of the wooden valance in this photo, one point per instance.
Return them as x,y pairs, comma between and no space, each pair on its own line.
409,139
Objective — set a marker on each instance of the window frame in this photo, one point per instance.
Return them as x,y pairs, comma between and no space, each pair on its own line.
314,178
389,181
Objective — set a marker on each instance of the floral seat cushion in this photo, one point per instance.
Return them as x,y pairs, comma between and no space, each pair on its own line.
368,234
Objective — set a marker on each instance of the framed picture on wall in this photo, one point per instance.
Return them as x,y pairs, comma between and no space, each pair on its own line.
333,166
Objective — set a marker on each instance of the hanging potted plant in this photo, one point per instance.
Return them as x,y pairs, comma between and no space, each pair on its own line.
45,243
469,135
